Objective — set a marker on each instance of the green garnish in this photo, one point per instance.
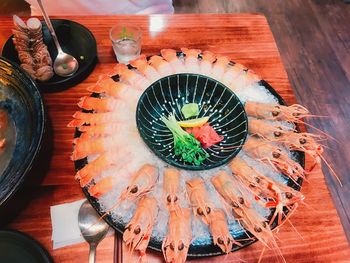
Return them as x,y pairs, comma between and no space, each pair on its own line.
190,110
186,146
125,34
64,66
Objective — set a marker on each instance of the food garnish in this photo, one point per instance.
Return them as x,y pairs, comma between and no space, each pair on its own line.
193,122
125,34
206,135
190,110
185,145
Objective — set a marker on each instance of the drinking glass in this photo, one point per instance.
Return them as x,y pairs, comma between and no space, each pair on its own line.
126,42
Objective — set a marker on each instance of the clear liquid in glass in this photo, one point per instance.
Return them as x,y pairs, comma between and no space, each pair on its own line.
126,49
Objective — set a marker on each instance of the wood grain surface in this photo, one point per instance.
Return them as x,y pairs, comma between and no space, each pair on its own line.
245,38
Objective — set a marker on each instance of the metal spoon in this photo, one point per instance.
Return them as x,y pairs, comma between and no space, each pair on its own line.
64,65
91,227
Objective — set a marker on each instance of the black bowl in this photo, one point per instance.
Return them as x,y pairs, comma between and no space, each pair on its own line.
169,94
76,40
17,247
21,99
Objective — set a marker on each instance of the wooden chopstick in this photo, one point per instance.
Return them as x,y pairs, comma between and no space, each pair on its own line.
118,248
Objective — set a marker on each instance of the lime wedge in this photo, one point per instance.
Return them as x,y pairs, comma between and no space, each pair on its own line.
193,122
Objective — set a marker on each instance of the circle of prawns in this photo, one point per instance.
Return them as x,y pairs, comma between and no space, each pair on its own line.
110,142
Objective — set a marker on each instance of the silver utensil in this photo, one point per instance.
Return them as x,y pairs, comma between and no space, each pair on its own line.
92,228
64,65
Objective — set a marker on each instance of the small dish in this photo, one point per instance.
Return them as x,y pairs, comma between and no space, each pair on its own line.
76,40
169,94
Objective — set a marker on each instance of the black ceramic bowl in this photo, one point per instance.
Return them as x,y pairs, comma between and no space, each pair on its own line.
76,40
169,94
20,98
17,247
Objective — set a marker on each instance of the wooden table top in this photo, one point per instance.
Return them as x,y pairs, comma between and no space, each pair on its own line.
245,38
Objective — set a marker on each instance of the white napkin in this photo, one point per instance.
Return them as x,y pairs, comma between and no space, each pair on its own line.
65,228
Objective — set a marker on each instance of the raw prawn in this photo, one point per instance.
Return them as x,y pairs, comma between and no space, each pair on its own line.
103,104
101,163
116,89
244,80
206,64
178,239
171,184
307,143
241,210
85,147
191,59
231,74
176,64
293,113
225,186
268,193
105,129
162,66
295,141
138,231
199,199
103,186
130,76
273,156
81,118
219,67
148,71
220,232
266,130
107,85
141,183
